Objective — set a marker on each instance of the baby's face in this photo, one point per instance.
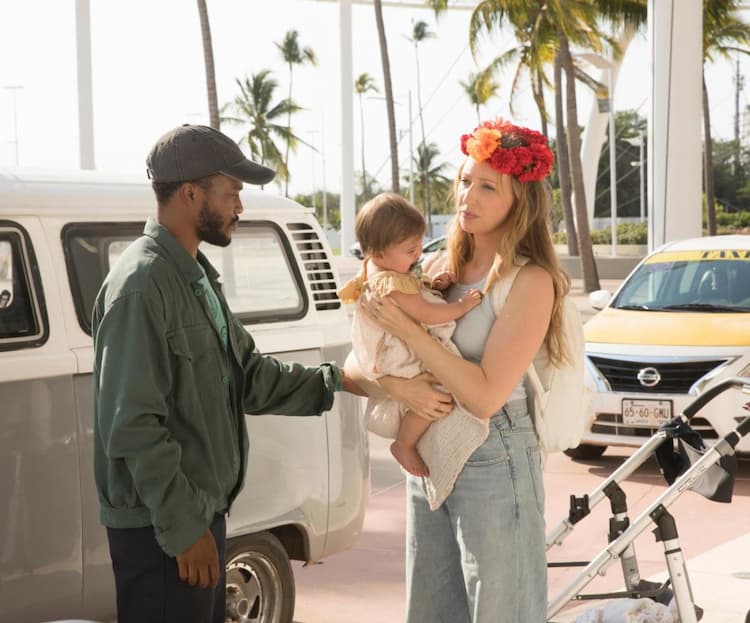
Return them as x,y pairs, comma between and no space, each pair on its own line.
400,257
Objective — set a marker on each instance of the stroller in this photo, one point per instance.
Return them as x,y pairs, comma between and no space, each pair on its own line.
686,464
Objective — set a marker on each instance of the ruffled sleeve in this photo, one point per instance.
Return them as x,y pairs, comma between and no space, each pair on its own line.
388,281
352,290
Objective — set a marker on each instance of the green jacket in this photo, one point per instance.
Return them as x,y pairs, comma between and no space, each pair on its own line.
170,438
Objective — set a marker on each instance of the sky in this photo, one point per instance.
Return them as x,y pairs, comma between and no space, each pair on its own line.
148,77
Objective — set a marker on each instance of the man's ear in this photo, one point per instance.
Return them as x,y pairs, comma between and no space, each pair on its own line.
188,191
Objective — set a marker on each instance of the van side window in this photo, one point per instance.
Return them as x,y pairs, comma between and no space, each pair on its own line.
23,320
260,277
90,250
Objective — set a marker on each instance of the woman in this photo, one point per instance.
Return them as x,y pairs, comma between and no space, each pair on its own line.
480,557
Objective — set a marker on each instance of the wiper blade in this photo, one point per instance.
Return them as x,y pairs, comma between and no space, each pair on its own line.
701,307
634,307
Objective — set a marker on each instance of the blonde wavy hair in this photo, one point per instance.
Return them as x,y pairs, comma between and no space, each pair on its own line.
527,233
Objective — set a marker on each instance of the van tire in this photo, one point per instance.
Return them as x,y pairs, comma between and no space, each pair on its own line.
585,452
260,581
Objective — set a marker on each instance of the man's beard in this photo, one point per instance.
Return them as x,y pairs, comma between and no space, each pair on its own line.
211,228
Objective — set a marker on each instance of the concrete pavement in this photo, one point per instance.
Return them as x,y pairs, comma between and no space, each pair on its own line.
366,584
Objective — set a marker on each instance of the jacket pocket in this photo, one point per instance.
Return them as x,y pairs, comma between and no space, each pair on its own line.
178,344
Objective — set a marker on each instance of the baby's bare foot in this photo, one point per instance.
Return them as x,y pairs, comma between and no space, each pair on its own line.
409,459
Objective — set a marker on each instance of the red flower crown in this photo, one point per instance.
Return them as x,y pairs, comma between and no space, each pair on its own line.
510,149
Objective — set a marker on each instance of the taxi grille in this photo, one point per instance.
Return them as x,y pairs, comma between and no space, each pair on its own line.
676,377
317,267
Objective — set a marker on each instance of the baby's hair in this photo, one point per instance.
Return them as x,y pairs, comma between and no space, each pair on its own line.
385,220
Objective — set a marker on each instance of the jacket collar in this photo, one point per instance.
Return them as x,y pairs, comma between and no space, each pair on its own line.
178,254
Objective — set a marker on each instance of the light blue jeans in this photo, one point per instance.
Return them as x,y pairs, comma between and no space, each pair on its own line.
480,557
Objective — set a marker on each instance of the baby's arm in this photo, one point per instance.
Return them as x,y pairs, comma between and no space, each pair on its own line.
436,313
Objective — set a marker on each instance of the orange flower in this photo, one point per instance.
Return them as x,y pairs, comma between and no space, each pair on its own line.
483,143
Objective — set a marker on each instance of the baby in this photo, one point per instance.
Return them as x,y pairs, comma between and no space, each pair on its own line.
390,231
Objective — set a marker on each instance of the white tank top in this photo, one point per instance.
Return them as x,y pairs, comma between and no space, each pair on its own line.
472,329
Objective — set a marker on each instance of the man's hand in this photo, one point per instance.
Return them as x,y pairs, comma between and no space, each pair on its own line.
199,563
443,280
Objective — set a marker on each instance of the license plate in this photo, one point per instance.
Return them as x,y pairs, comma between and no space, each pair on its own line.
652,413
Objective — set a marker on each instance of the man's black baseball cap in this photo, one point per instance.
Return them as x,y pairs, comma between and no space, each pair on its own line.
190,152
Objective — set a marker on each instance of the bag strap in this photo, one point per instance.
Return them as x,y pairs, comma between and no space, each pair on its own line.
500,291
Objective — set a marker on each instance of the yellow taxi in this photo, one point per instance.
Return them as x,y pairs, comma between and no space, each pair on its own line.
678,324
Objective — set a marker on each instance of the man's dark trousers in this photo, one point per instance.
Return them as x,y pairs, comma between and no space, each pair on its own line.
149,589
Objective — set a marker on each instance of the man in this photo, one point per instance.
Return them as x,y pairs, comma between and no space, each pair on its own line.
174,374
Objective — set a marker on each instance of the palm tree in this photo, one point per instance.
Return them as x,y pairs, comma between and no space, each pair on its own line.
535,45
254,106
365,83
208,61
438,182
293,54
378,6
563,164
480,89
420,32
723,34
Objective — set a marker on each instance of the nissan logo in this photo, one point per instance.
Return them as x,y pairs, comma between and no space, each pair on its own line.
648,377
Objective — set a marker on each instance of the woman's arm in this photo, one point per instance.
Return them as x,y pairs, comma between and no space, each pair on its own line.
418,393
511,344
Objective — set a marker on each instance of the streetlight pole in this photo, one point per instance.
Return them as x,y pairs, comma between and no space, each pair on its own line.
411,157
641,152
640,142
14,90
612,164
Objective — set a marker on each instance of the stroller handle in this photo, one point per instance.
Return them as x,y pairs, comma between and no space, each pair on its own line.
700,401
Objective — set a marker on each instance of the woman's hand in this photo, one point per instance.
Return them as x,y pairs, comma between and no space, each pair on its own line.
391,317
419,394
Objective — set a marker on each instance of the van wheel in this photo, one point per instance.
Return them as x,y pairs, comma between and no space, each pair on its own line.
260,582
585,452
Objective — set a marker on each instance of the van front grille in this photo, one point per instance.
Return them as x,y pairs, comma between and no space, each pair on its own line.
675,377
316,265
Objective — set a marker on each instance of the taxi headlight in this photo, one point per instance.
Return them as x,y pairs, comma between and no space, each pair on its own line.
709,378
745,372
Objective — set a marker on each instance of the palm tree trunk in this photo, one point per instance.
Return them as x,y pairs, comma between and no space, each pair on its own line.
208,62
585,247
364,171
538,93
425,181
479,119
563,163
377,4
708,164
288,136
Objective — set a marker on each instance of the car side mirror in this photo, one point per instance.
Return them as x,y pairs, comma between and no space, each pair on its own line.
599,298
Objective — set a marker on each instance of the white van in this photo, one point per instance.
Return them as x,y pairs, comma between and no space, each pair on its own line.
308,478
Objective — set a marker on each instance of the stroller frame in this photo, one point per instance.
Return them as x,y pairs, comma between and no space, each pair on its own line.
623,532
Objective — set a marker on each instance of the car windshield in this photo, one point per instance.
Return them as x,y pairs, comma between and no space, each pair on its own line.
688,281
